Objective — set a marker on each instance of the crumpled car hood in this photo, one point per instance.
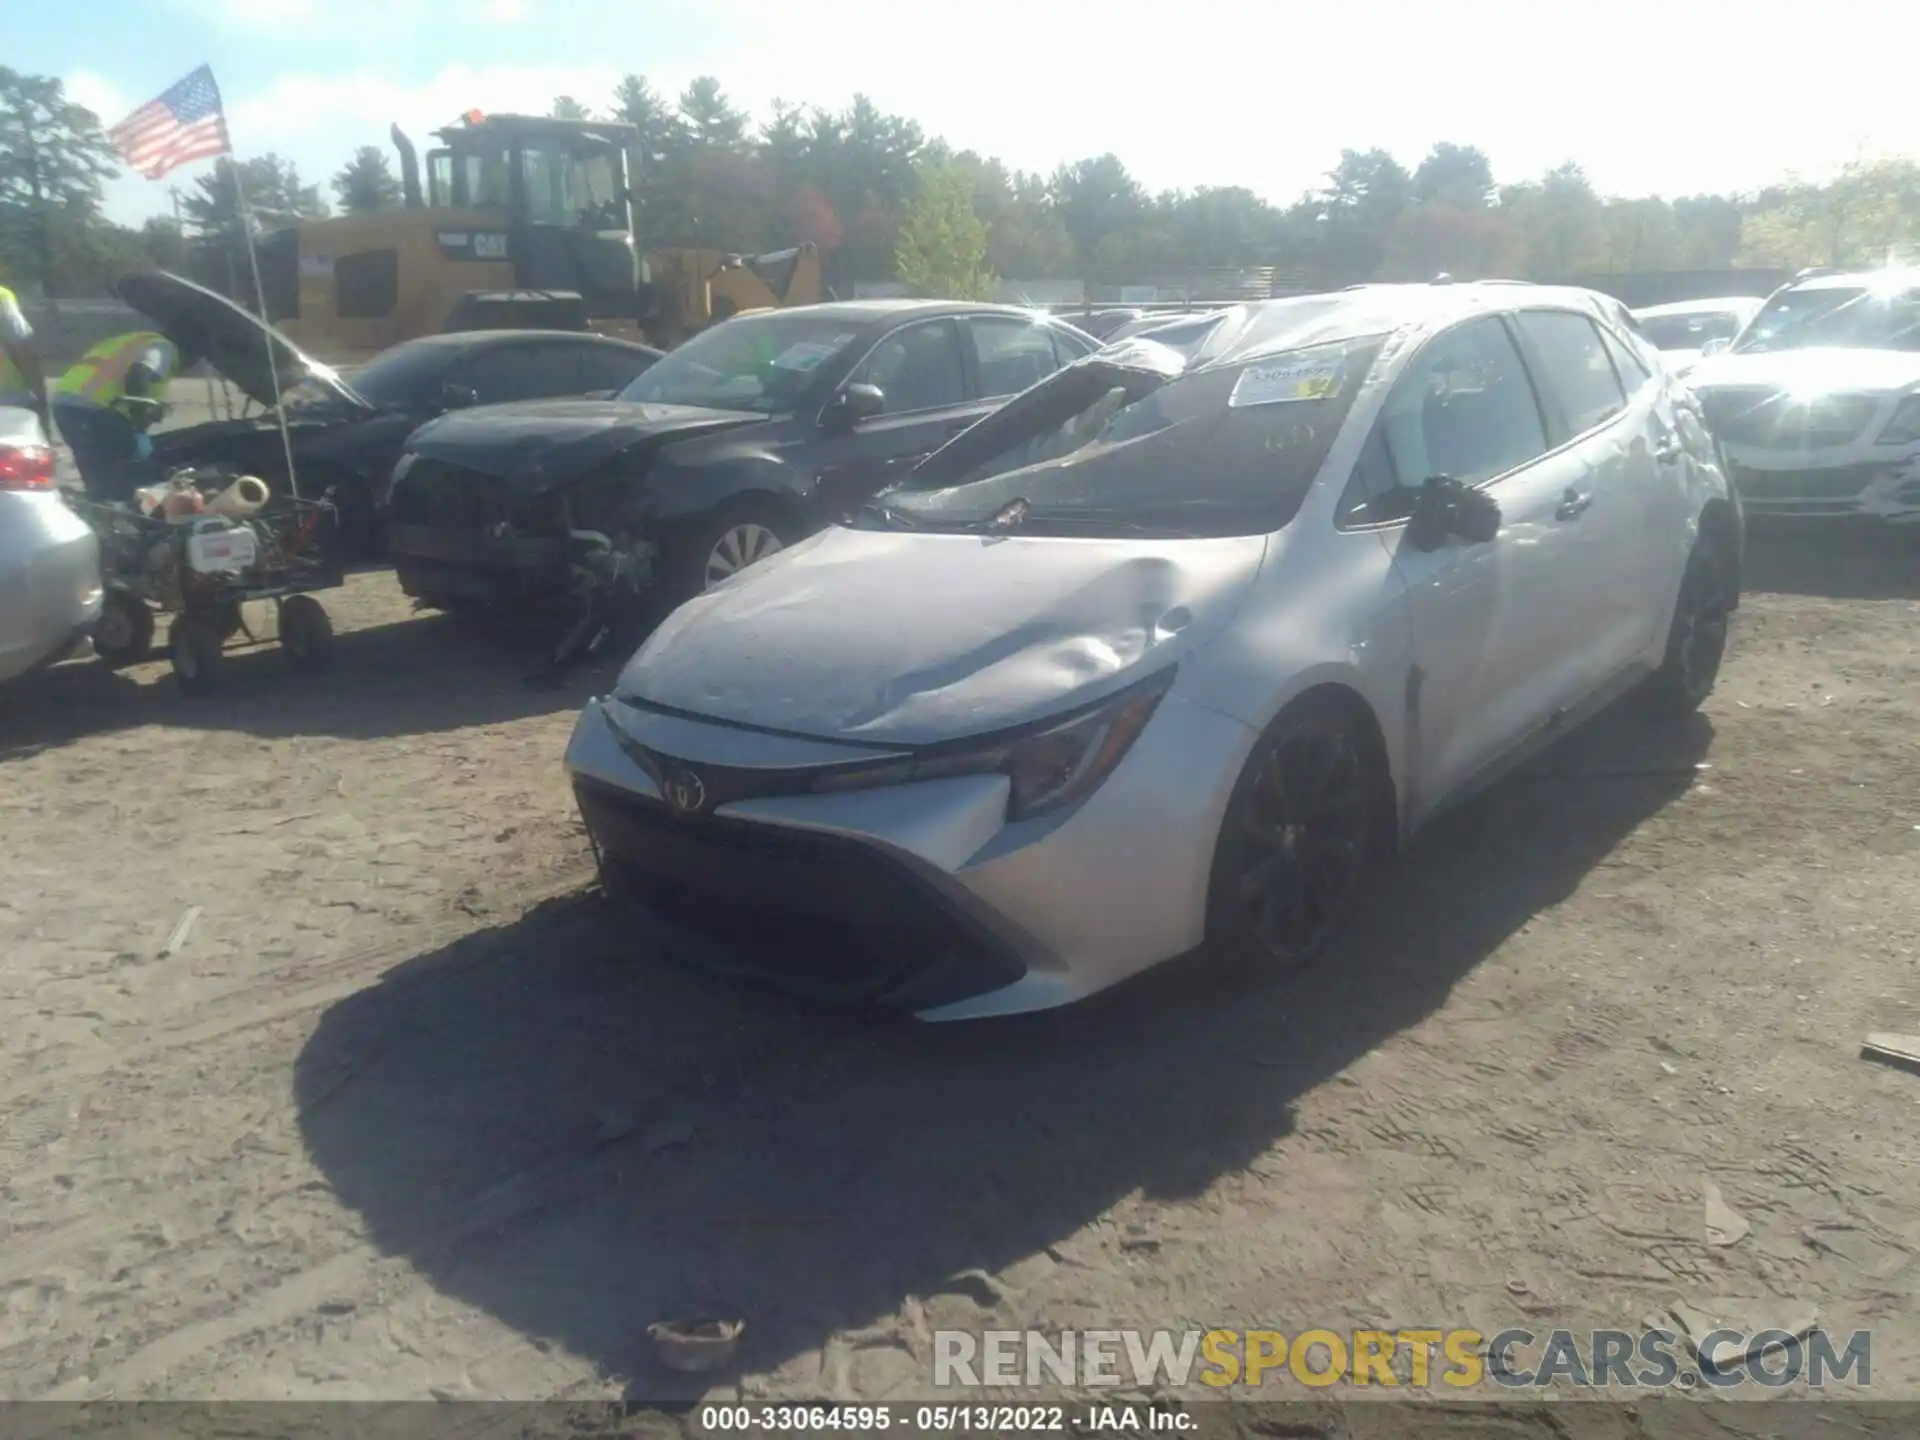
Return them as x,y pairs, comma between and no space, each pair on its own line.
1823,370
910,639
537,445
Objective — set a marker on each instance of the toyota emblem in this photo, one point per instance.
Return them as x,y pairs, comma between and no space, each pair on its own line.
684,791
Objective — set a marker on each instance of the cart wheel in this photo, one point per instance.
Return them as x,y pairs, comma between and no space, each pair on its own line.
124,633
306,634
197,655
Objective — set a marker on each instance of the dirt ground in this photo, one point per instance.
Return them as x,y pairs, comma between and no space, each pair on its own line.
404,1116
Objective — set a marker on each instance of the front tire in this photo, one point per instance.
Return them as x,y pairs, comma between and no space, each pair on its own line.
1696,638
1300,836
731,540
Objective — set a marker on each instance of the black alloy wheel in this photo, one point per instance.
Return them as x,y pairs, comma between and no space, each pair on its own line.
1298,839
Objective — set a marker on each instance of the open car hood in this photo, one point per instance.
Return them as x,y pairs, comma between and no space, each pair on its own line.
537,445
233,342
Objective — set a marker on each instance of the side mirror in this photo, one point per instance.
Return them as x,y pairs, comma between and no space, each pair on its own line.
1445,508
1715,347
457,397
851,405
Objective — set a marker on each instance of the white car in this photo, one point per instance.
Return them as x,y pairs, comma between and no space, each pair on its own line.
1687,330
49,559
1817,403
1170,650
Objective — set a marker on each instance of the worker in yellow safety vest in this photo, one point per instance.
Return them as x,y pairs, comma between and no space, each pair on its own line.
22,381
106,401
125,367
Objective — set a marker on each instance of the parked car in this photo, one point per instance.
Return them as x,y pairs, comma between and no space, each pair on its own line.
1182,332
1103,325
347,430
49,560
1817,403
739,442
1686,330
1170,650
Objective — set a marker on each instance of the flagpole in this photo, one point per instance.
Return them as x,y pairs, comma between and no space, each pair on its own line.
260,296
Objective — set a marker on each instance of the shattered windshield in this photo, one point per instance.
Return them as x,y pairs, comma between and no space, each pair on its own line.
1226,450
1692,331
1873,318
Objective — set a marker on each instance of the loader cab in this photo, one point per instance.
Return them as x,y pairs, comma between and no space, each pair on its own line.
563,192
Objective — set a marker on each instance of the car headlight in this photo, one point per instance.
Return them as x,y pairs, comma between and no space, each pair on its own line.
1049,765
1904,427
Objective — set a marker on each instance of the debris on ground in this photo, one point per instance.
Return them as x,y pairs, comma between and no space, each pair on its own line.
1754,1319
695,1346
1900,1051
1725,1225
180,932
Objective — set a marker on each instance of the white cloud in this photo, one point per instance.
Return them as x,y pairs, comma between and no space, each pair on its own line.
106,100
506,12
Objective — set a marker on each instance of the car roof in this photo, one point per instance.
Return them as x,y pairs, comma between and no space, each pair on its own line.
1722,304
1894,277
467,339
1363,311
866,311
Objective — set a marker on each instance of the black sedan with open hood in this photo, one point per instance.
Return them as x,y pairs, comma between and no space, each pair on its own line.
747,437
347,430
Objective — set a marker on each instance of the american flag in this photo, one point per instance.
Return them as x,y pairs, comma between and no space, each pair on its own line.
184,124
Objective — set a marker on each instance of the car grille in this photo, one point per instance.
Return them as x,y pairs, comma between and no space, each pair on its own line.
1770,419
449,497
1842,482
821,915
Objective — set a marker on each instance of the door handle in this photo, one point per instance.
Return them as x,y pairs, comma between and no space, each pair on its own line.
1573,505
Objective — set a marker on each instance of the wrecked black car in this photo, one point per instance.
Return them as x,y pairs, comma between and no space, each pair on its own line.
348,429
739,442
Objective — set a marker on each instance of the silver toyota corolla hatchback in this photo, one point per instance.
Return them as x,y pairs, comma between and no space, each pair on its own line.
1167,651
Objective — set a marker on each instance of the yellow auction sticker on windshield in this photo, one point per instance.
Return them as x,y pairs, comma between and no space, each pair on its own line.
1276,382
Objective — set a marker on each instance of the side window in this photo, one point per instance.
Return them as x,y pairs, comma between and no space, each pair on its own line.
1012,354
1066,348
1574,366
917,367
1464,408
1630,367
609,367
519,372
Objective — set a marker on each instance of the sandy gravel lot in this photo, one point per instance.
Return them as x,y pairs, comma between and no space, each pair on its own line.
404,1116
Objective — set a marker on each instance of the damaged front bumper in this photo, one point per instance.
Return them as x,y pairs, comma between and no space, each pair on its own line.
461,536
1785,487
920,896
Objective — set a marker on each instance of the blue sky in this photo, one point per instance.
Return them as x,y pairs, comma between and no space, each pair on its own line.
1652,96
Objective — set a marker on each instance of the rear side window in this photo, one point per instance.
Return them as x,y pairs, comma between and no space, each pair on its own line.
1012,354
521,372
1632,369
609,367
1574,366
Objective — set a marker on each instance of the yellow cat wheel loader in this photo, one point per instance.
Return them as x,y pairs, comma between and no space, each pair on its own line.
518,222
